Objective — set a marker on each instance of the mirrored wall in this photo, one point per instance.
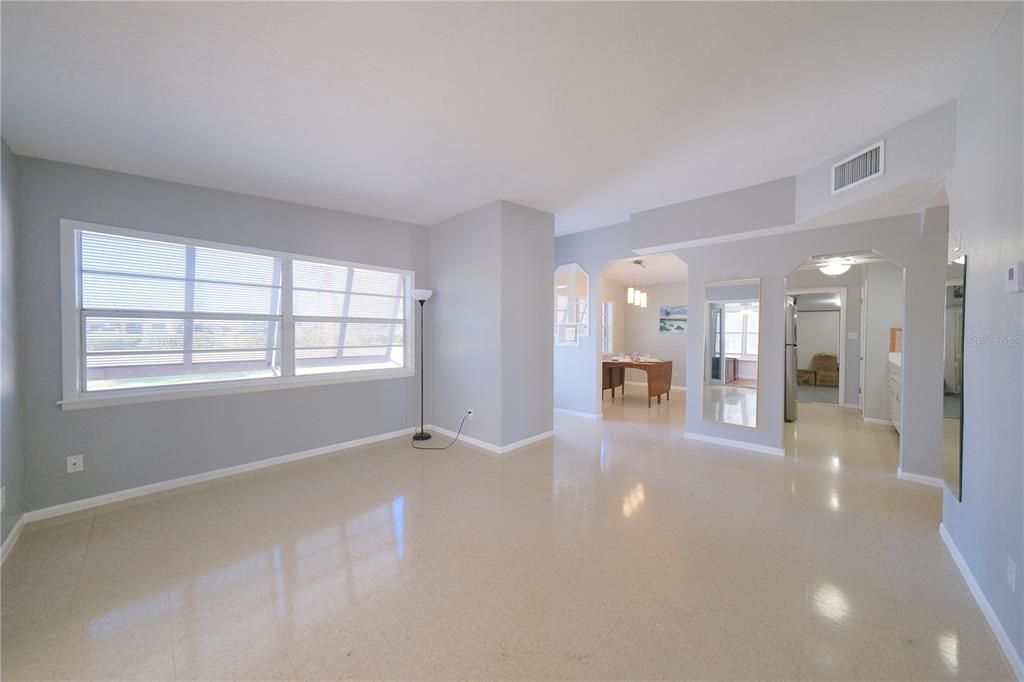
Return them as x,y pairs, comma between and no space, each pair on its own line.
953,377
572,293
732,324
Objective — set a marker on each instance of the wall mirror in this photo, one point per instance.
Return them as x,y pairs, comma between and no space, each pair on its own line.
572,294
953,377
732,323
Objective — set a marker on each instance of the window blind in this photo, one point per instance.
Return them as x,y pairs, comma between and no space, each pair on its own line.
158,313
347,318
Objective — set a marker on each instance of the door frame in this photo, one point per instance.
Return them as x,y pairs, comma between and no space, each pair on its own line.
842,331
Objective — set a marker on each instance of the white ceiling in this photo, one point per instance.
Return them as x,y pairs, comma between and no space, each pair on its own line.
660,269
419,111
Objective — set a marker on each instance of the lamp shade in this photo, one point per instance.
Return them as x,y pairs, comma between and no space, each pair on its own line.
422,294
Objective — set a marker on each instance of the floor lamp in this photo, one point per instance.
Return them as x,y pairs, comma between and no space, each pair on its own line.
421,295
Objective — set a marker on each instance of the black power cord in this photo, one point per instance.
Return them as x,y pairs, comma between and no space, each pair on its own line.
459,433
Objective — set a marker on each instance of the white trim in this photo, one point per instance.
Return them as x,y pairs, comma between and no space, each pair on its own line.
986,608
852,406
918,478
491,447
72,371
216,388
741,444
581,415
140,491
881,167
12,538
876,420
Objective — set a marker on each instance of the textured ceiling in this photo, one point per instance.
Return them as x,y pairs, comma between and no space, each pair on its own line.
419,111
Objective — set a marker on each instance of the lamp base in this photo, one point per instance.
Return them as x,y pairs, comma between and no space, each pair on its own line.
421,435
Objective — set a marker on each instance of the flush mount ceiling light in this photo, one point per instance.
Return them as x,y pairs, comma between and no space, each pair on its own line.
834,267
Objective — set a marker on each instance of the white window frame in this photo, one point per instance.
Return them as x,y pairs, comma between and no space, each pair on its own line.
745,353
73,395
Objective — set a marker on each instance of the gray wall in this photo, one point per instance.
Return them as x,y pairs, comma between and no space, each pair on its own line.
985,207
883,310
851,281
465,318
132,445
901,239
642,333
12,466
491,320
919,148
527,283
578,368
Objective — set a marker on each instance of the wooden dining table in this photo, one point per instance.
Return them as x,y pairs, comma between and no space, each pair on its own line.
659,377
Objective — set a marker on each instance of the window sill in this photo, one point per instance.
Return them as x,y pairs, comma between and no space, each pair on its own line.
132,396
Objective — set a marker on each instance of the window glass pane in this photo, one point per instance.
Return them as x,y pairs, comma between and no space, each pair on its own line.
752,321
236,298
141,352
329,334
329,304
733,343
113,253
118,292
105,334
236,266
310,275
733,322
234,334
377,282
751,344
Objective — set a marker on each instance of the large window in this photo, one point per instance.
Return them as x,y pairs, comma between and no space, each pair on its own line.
741,328
149,314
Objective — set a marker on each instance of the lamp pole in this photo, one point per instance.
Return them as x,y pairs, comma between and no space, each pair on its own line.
421,434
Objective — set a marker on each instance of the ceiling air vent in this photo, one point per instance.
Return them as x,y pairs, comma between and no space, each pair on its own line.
861,167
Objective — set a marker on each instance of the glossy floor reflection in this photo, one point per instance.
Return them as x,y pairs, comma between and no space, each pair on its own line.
838,437
730,404
616,550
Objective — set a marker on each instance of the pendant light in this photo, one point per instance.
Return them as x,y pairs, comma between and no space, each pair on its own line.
636,295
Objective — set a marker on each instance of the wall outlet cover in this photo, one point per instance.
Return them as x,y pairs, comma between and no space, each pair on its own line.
76,463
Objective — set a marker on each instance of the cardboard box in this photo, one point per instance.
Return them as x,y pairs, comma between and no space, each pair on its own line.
805,377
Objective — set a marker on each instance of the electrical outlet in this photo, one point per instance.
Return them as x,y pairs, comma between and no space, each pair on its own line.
1011,574
675,373
469,414
76,463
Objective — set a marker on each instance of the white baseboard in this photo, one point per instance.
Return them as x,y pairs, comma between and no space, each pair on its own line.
729,442
990,615
491,447
12,537
851,406
644,383
121,495
876,420
581,415
918,478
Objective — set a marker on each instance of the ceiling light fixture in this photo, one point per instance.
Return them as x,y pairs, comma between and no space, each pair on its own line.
834,267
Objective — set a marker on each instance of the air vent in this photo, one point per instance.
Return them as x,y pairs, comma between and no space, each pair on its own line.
861,167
